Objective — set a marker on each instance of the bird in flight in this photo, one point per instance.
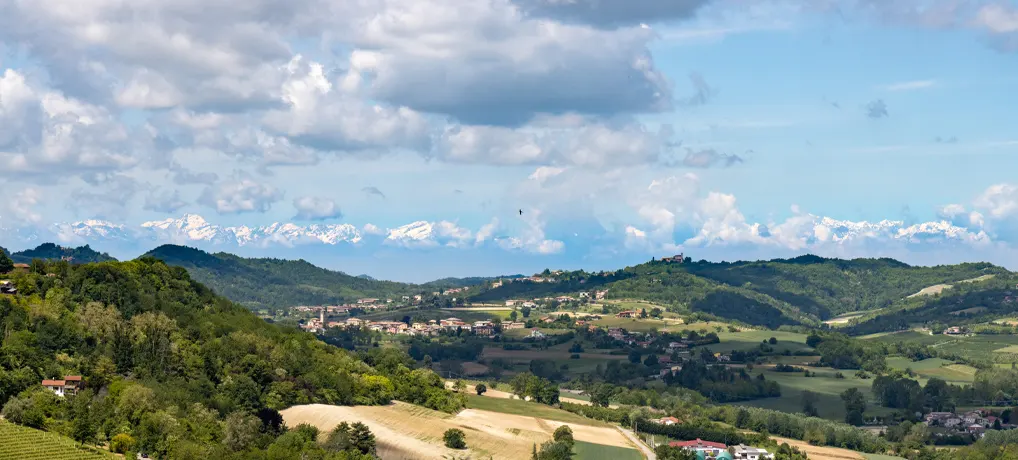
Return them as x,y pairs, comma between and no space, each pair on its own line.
521,212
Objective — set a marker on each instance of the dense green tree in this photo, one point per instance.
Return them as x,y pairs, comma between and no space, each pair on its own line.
6,264
564,434
855,406
455,439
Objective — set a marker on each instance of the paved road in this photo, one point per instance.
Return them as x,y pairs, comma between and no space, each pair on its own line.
647,451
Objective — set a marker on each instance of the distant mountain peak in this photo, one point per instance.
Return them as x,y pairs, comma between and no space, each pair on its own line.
194,228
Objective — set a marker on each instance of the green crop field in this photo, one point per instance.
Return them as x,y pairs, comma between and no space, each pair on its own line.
747,340
825,385
528,409
975,347
17,442
935,367
591,451
636,324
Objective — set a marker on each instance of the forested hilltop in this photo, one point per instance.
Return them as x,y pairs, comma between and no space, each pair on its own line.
50,251
278,283
803,290
170,369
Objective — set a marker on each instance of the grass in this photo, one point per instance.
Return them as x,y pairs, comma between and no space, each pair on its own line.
881,457
528,409
935,367
635,324
827,388
975,347
29,444
591,451
750,339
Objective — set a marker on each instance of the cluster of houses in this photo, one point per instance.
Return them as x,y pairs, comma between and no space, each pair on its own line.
974,422
364,304
719,451
430,328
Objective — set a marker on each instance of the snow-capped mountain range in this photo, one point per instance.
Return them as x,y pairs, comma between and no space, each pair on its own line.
194,229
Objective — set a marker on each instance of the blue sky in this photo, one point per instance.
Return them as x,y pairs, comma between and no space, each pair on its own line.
727,129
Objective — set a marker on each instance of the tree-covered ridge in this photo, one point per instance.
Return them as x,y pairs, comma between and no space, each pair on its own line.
829,287
802,290
962,304
260,283
50,251
173,370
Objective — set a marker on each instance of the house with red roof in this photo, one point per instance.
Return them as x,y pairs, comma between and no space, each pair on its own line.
70,384
710,449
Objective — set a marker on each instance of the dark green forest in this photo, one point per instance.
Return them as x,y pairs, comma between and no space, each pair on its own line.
275,283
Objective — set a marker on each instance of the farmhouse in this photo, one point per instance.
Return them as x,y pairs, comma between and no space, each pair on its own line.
513,325
600,295
536,333
709,449
667,421
21,266
626,314
69,385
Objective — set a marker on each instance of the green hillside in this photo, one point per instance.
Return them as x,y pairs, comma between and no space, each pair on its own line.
50,251
260,283
804,290
173,370
963,304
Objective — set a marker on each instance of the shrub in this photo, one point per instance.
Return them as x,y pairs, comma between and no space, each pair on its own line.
122,443
455,439
480,389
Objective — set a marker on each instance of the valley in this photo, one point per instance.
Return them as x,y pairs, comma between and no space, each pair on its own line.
717,346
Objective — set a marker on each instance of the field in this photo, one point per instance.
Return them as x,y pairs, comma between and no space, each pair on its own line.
975,347
939,288
518,407
749,339
590,451
844,319
825,385
405,431
638,324
17,442
935,367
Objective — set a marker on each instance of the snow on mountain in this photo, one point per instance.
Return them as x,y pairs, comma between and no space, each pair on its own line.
415,233
800,232
194,228
843,231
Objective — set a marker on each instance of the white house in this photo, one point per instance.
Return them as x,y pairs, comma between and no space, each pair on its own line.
744,452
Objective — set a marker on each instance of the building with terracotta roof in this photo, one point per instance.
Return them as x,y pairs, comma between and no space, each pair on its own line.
708,448
70,384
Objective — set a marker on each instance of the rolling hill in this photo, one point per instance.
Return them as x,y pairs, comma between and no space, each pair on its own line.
169,369
274,283
50,251
803,290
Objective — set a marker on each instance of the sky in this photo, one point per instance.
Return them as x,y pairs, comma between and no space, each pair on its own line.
402,138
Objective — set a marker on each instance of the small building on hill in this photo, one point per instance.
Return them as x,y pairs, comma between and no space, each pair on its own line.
70,384
626,314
